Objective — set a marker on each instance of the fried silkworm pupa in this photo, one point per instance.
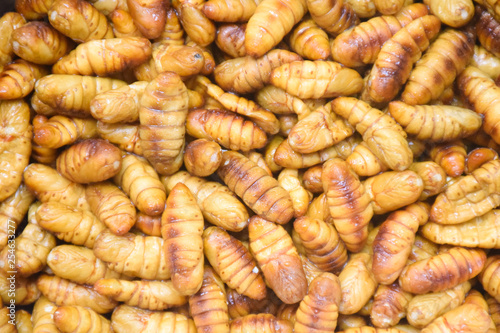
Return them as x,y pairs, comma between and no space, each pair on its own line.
334,16
230,39
278,258
489,277
453,13
486,62
310,41
442,271
433,177
450,156
290,180
124,136
149,16
12,211
75,318
23,321
59,131
262,322
465,318
9,22
230,11
33,9
202,157
389,305
389,7
241,305
18,78
43,315
123,24
477,157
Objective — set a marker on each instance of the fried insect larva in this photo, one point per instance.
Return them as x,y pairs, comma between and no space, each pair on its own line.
312,179
43,155
23,322
392,245
33,9
74,318
59,131
265,29
318,130
233,263
349,203
71,95
480,232
270,152
319,309
139,180
479,156
392,190
453,13
433,177
451,47
363,8
345,322
162,116
361,45
89,161
470,196
465,318
436,123
321,244
384,137
316,79
357,283
489,277
79,20
208,306
130,319
364,162
279,101
202,157
70,224
133,255
422,248
182,229
290,180
486,62
49,186
310,41
226,128
450,156
32,247
104,57
389,7
262,322
256,188
287,122
148,225
230,38
125,136
494,308
230,10
406,46
185,60
288,312
150,295
15,130
78,264
241,305
442,271
12,211
18,78
210,196
149,16
278,258
333,16
196,24
112,206
123,24
389,305
43,316
172,32
487,29
9,22
63,292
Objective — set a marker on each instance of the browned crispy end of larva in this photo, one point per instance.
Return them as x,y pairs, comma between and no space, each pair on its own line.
436,123
202,157
263,322
312,179
64,292
59,131
392,245
208,306
361,45
349,203
133,255
233,262
139,180
389,305
104,57
18,78
321,243
396,58
33,9
334,16
278,258
149,225
489,277
310,41
319,309
246,74
149,16
357,283
364,162
442,271
89,161
9,22
112,206
226,128
467,318
456,14
231,39
450,156
433,176
85,21
268,199
73,318
479,156
393,189
487,29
